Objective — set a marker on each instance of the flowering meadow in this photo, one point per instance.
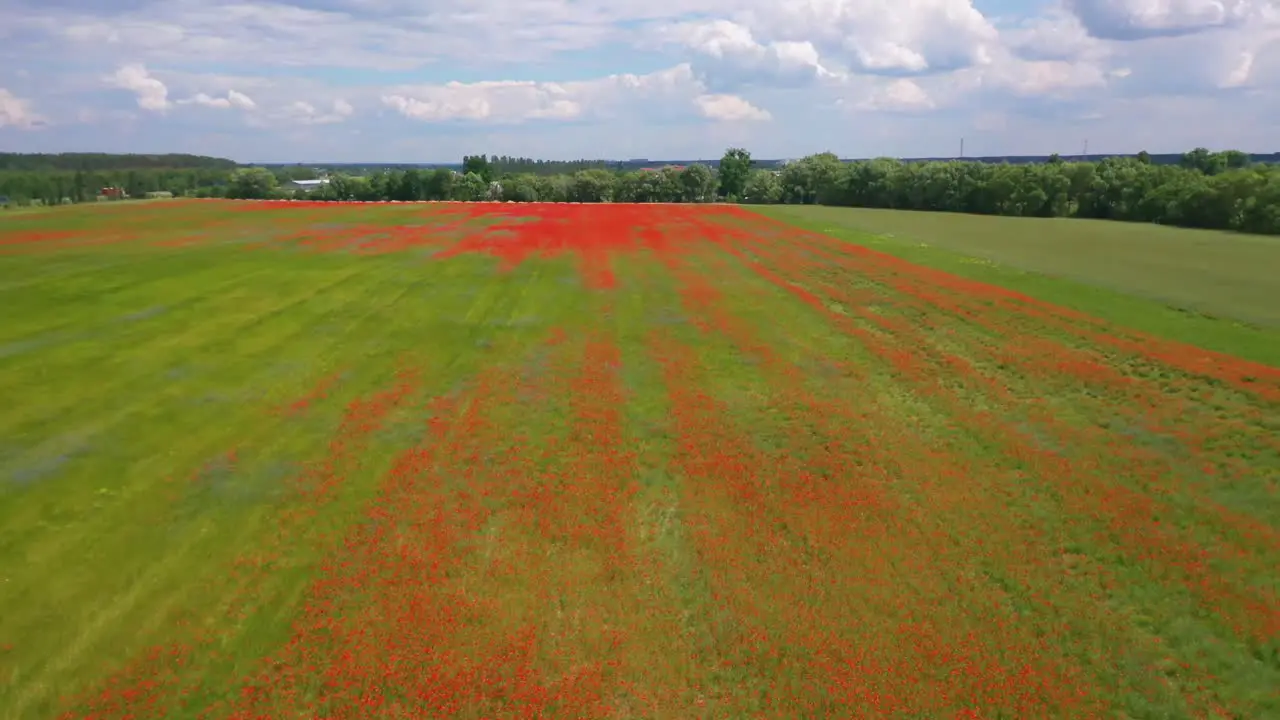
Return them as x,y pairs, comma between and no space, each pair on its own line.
341,460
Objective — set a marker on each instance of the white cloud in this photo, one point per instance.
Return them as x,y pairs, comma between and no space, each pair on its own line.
1201,64
729,54
232,99
152,94
728,108
495,101
207,101
305,113
510,101
1044,78
361,34
1056,35
16,112
904,36
1239,75
792,38
240,100
901,95
1134,19
911,70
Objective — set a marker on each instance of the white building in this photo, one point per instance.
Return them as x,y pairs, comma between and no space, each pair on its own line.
305,185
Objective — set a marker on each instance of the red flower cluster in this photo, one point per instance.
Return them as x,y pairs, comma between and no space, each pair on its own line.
769,474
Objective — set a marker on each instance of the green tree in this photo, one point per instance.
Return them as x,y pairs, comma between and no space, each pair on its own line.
762,187
520,188
646,186
252,183
813,179
107,162
1235,159
479,165
670,185
552,188
339,187
471,187
406,186
734,169
1222,190
697,183
439,185
1209,163
592,186
367,188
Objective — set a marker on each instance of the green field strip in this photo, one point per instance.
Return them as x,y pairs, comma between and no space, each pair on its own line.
1121,305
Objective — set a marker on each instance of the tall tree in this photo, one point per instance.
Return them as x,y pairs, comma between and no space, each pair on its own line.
592,186
698,183
735,166
762,187
478,164
472,186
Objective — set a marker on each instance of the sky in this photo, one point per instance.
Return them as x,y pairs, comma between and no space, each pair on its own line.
426,81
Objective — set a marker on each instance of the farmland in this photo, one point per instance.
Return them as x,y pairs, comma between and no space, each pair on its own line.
555,460
1213,273
1210,289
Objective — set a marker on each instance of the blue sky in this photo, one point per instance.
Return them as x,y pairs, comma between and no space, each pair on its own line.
422,81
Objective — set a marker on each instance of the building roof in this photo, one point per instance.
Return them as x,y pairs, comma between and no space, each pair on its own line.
305,183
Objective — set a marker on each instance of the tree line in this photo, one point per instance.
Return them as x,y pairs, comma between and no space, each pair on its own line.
1206,190
503,165
46,162
59,187
61,178
1218,190
1222,190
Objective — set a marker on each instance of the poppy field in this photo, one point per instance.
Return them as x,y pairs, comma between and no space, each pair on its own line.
305,460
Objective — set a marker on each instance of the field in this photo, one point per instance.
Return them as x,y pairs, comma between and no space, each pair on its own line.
1172,281
267,460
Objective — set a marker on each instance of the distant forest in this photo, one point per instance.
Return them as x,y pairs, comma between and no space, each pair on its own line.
1229,190
505,165
41,162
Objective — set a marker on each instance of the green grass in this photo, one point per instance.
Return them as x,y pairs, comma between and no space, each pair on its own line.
130,371
1212,289
803,462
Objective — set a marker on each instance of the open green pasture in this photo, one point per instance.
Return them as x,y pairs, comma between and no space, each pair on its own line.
420,460
1216,289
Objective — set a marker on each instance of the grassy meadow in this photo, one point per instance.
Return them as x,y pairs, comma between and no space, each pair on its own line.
497,460
1206,287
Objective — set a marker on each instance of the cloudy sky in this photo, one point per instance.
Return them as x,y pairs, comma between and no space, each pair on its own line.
424,81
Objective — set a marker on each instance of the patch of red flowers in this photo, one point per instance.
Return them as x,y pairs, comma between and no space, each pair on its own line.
957,502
